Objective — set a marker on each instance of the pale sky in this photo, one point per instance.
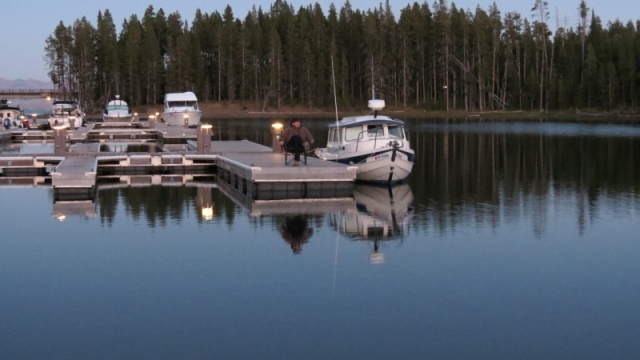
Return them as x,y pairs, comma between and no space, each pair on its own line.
27,23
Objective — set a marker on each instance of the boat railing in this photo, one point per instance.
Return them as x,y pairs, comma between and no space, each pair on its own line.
365,135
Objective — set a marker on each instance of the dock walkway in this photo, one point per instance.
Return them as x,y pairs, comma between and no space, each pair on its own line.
251,169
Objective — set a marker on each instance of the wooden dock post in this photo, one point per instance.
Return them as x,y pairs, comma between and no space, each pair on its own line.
60,140
204,139
276,130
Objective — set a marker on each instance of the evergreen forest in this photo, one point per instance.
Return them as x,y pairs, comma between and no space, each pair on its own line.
429,56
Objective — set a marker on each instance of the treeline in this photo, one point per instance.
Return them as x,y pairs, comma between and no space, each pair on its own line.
433,57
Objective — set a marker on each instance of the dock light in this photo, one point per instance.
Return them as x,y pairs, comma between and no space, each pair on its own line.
207,213
186,120
48,98
72,122
276,128
61,218
135,116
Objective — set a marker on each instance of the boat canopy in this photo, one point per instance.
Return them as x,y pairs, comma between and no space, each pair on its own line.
185,96
366,120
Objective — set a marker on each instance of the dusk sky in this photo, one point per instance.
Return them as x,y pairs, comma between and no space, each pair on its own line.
28,23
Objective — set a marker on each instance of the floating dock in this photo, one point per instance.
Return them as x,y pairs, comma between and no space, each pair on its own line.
83,156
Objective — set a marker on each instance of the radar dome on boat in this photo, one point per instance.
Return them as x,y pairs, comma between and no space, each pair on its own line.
376,104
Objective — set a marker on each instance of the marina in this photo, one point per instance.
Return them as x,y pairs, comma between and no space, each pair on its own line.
79,157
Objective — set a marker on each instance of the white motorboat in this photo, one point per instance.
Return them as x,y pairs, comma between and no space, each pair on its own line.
181,109
117,111
65,111
376,144
12,115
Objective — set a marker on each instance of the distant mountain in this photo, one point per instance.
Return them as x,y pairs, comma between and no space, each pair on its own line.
19,84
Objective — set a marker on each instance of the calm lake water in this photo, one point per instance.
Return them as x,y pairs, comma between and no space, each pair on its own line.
509,241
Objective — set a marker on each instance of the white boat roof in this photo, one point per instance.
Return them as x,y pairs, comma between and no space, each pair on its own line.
185,96
366,120
117,102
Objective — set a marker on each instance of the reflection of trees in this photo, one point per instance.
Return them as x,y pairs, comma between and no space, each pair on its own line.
158,205
486,177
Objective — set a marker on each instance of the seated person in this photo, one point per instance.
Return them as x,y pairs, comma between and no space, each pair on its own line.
296,139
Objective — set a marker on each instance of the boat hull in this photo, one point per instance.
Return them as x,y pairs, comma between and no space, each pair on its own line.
117,118
379,167
177,118
63,121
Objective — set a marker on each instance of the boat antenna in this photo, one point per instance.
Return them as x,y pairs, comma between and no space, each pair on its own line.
373,90
335,99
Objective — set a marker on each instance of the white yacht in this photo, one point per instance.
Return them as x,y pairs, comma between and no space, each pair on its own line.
376,144
181,109
63,111
11,115
117,111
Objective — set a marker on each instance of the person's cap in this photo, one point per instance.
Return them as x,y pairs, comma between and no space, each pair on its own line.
294,120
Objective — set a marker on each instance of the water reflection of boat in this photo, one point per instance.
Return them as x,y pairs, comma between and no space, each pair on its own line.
382,213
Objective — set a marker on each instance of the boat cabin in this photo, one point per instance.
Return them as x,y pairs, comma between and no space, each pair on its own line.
185,99
357,131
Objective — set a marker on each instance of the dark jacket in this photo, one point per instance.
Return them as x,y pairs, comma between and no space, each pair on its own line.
301,131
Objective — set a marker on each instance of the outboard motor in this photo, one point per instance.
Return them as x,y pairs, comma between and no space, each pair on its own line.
6,123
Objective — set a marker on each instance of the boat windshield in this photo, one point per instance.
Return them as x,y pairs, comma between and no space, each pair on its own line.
67,110
193,104
375,131
117,107
352,133
395,131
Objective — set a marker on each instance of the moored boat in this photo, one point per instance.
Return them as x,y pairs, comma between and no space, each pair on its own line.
376,144
117,110
65,111
181,109
11,115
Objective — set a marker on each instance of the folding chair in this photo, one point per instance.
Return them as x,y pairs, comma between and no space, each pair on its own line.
289,156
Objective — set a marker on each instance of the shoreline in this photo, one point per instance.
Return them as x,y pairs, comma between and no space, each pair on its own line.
211,110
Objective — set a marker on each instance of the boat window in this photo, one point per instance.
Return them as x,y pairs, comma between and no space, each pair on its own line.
352,133
375,130
395,132
332,135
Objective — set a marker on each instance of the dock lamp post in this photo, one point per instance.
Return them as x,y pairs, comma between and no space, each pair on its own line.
204,138
21,118
276,130
152,121
186,120
60,140
72,122
34,120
